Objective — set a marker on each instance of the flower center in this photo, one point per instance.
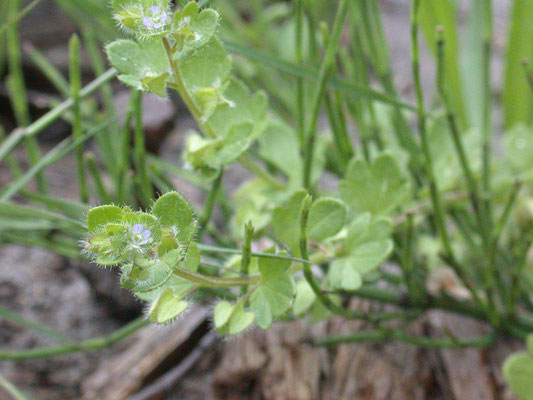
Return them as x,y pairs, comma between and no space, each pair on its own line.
156,18
140,235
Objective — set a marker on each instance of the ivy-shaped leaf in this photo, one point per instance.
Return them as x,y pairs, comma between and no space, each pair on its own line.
206,67
275,293
279,145
193,28
167,308
305,297
326,218
230,319
143,66
173,210
377,188
285,221
98,216
209,155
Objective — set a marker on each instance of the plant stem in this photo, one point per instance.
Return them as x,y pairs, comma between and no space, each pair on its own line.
181,88
103,194
214,249
327,63
209,204
11,389
246,252
75,87
384,335
75,347
209,281
434,192
487,101
43,329
247,163
300,105
145,186
481,213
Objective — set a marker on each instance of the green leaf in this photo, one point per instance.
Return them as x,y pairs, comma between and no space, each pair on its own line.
216,153
377,188
368,243
343,275
275,293
286,221
102,215
222,314
167,307
208,66
192,29
168,263
173,210
279,145
305,297
518,372
144,65
231,319
326,218
204,26
156,84
240,106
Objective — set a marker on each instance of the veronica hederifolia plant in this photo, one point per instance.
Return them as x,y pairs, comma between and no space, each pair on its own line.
179,50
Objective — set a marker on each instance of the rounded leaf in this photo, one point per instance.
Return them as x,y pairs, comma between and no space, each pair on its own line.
167,307
518,372
172,209
102,215
326,218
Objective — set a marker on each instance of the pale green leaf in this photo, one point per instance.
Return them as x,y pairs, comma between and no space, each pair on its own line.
286,221
377,188
173,210
231,319
305,297
518,372
326,218
167,307
275,293
102,215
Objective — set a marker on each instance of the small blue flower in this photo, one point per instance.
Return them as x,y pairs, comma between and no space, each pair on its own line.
157,18
140,235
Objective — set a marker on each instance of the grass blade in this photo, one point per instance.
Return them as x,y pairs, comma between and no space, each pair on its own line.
516,97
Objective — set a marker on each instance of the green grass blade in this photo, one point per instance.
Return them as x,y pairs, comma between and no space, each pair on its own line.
48,69
311,74
16,211
19,134
473,61
443,13
17,89
59,151
12,390
62,245
516,97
